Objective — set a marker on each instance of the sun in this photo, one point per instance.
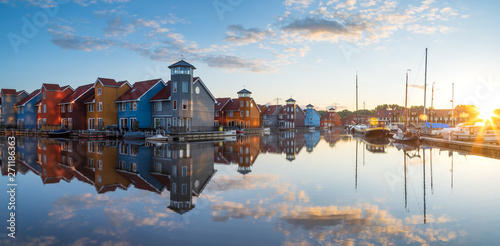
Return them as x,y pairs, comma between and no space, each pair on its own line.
486,114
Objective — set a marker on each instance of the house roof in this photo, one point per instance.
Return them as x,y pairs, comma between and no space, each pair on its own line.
198,80
272,109
28,98
221,102
290,100
81,90
163,94
138,181
181,63
9,91
67,87
138,90
233,105
90,99
51,87
244,91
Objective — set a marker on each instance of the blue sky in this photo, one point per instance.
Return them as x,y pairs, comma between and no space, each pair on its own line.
307,49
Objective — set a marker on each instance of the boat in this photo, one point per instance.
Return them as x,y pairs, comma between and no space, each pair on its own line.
61,133
377,132
240,131
405,135
157,138
359,129
134,135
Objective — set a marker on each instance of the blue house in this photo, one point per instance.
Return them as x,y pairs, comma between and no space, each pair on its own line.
26,110
312,118
134,108
9,98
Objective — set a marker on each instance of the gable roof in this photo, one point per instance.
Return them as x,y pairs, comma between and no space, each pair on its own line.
198,80
9,91
244,91
163,94
80,91
90,99
110,82
138,90
221,103
51,87
233,105
28,98
271,109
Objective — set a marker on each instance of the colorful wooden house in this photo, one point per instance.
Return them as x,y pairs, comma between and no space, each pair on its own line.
242,112
49,113
27,110
312,118
101,108
73,109
9,98
330,119
291,115
134,107
185,104
270,115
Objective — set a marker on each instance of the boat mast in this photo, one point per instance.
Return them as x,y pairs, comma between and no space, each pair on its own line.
432,104
406,100
356,114
425,85
452,102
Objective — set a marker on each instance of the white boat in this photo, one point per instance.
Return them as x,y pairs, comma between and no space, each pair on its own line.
157,138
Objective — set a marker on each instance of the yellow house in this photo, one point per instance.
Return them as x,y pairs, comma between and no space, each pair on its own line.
101,108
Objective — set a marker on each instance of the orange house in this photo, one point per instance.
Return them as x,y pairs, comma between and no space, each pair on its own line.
241,112
48,110
101,108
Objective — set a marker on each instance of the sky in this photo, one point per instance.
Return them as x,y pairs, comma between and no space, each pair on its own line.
305,49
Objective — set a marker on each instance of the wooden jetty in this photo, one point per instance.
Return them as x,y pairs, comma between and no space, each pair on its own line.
483,149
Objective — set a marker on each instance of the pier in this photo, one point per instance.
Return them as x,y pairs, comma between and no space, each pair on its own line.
488,150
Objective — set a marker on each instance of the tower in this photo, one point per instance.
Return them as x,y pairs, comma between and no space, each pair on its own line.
290,113
245,104
309,115
181,77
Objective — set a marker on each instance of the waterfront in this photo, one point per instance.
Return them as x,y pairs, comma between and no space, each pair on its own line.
286,188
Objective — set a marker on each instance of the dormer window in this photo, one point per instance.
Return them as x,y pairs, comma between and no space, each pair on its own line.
181,70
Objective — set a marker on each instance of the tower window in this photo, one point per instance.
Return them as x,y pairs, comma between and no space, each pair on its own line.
184,86
174,86
184,104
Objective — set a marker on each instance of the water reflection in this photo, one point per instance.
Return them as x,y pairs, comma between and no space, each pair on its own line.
250,182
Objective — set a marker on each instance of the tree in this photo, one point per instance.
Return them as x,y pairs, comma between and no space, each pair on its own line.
389,106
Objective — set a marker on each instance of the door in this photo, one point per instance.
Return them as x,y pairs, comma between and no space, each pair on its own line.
70,123
188,124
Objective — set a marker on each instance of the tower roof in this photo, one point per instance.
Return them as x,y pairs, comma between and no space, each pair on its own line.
290,100
181,63
309,106
245,91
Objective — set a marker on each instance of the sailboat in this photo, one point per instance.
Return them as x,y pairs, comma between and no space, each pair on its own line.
404,135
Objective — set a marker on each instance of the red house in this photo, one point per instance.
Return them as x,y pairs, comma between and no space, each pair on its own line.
291,115
330,119
48,109
73,110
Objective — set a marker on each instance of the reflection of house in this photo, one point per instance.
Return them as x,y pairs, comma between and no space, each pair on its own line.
185,169
312,139
26,110
291,115
243,152
73,110
241,112
134,108
49,152
9,98
185,104
101,108
73,159
134,164
291,143
312,118
102,158
270,115
27,154
332,137
330,119
49,112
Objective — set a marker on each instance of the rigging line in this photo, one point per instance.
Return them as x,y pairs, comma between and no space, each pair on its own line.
416,77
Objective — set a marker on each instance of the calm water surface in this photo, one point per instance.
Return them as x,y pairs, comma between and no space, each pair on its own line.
287,188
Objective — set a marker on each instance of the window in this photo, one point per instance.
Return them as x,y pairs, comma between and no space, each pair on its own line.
44,95
99,91
39,109
247,103
99,179
184,104
100,148
174,171
134,122
124,149
174,87
99,164
175,104
45,108
184,189
122,165
91,162
99,106
91,125
134,106
184,86
216,113
241,104
248,113
91,107
174,188
133,167
184,171
70,107
63,108
122,106
157,106
241,113
230,113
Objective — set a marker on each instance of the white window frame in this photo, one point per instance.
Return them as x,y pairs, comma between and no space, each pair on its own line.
174,105
133,106
63,108
184,86
184,104
174,87
99,91
91,107
99,107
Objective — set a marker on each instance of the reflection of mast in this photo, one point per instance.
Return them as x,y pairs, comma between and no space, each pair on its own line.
356,173
406,190
432,182
364,148
451,169
425,215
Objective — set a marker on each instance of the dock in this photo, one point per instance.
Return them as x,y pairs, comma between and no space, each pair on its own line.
201,136
483,149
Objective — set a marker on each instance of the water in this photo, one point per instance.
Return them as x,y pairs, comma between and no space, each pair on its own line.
287,188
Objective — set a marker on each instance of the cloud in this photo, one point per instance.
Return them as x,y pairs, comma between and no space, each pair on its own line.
348,5
116,27
298,4
239,35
